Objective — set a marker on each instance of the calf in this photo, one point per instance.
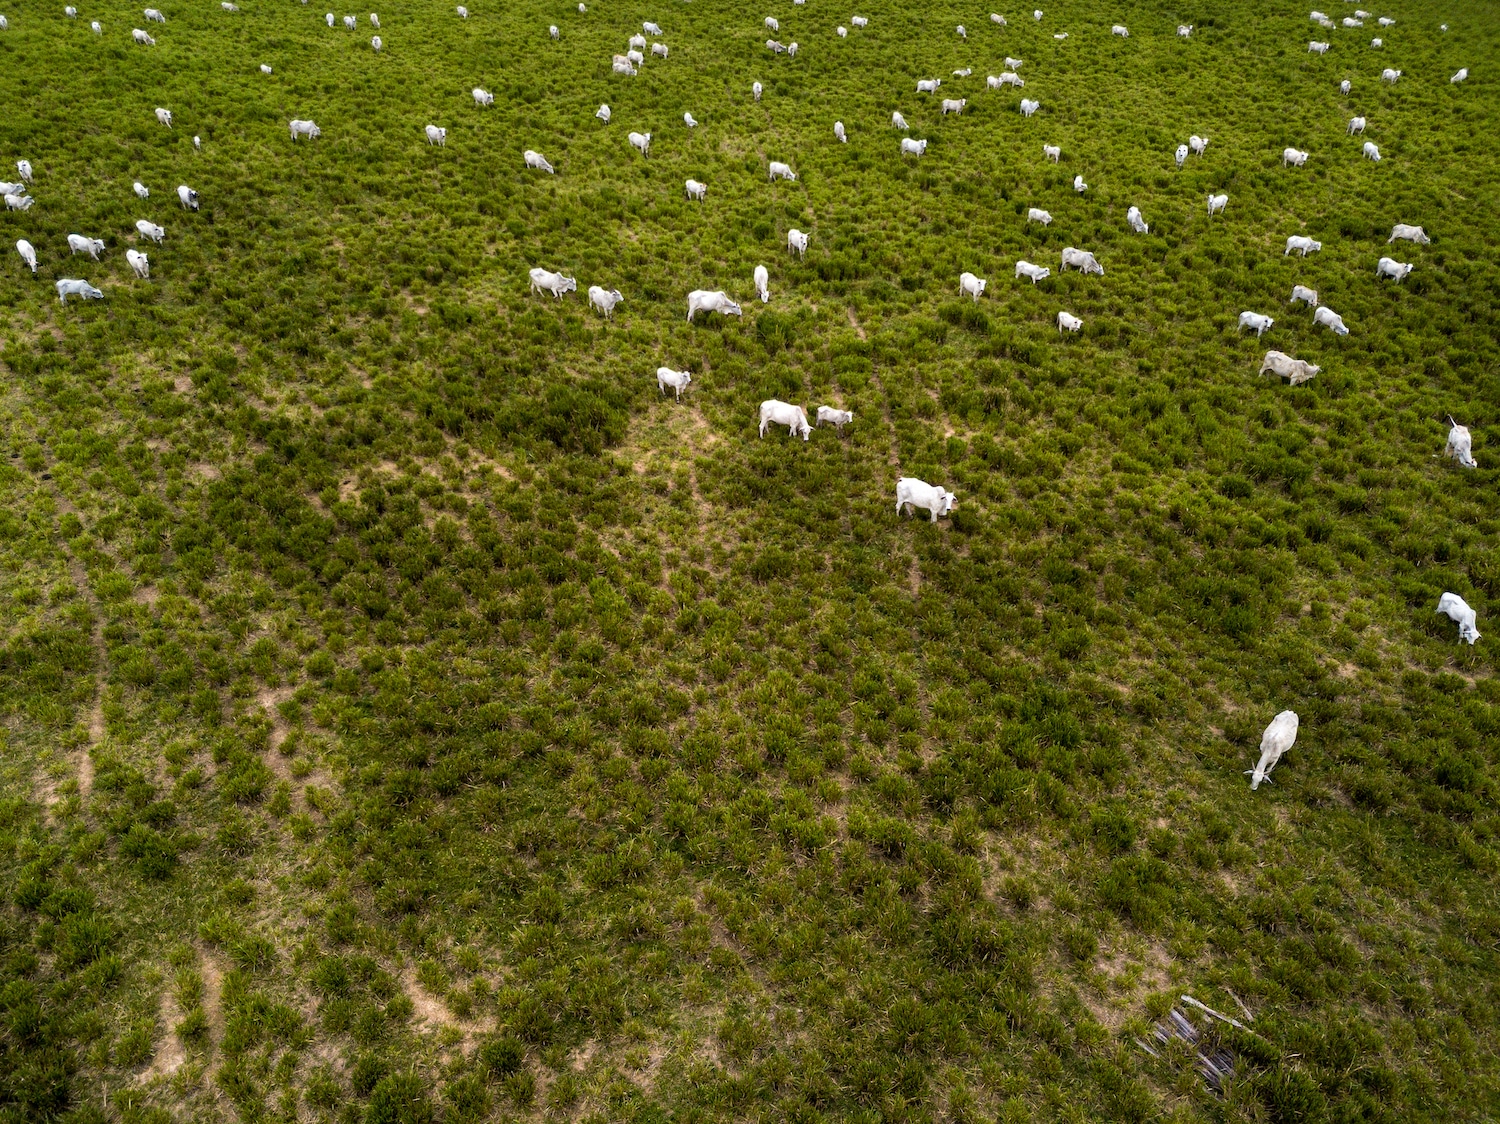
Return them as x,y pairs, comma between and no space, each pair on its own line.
537,160
1457,610
1408,234
1390,267
914,493
1081,260
605,299
1302,293
71,287
1256,322
1302,245
1067,322
1460,445
1330,319
677,380
1279,737
1217,203
1296,370
705,300
968,283
776,412
139,262
1035,272
836,418
543,280
796,241
78,244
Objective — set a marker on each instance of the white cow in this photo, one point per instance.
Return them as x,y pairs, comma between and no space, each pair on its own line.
962,32
995,82
1390,267
689,120
915,147
1052,152
1302,293
968,283
264,69
1078,184
155,16
142,37
1461,76
1293,156
641,141
1280,363
350,23
841,31
622,65
1460,445
605,299
763,284
1351,22
1181,155
1080,260
1120,30
775,412
1457,610
1386,21
328,17
677,380
463,13
696,190
1136,221
376,44
1217,203
1317,48
836,418
1389,75
838,131
24,167
1036,214
375,21
1278,738
139,262
1377,43
780,171
535,159
1356,125
27,252
659,50
773,23
997,18
1256,322
1035,272
304,129
603,113
78,244
756,88
543,280
928,85
1372,152
1067,322
553,32
437,135
898,122
164,116
148,229
1037,15
954,105
1330,319
774,47
482,97
859,21
637,42
14,202
1408,233
1184,29
95,27
1302,244
1012,64
914,493
963,72
1345,86
705,300
141,190
1028,107
187,197
12,188
650,28
796,242
1197,144
71,287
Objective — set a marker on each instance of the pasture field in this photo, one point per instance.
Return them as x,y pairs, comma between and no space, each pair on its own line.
410,714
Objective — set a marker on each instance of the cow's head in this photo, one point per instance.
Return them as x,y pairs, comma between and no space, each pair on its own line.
948,500
732,309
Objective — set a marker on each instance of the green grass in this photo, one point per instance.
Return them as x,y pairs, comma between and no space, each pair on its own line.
411,715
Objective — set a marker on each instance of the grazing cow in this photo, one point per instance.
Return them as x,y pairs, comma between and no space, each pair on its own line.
1278,738
228,7
677,380
142,38
141,190
148,229
1120,30
1036,214
1028,107
483,97
898,122
1302,244
437,135
962,32
264,69
1217,203
545,281
914,493
1457,610
928,85
1386,21
774,47
858,21
1197,144
1136,221
915,147
1377,43
838,131
1293,156
1052,152
78,244
1184,29
696,190
328,17
12,188
659,50
602,113
1282,364
796,241
24,168
1389,75
155,16
463,13
637,42
763,284
1372,152
1007,79
641,141
375,21
1330,319
197,144
780,171
605,299
1012,64
1181,155
841,31
954,105
968,283
836,418
704,300
537,160
1390,267
187,197
1035,272
14,202
1345,86
775,412
1307,296
1461,76
304,129
635,58
140,263
164,116
1256,322
376,44
1409,234
1352,22
1318,48
650,28
997,18
350,22
1356,125
689,120
773,23
963,72
96,28
1460,445
70,11
755,88
71,287
1080,260
1067,322
28,254
1078,184
622,65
